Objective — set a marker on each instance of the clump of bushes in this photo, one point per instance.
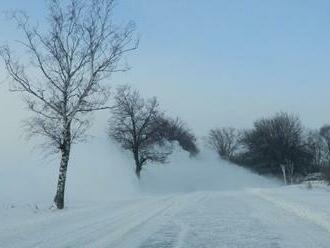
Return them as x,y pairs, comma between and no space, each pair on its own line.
278,145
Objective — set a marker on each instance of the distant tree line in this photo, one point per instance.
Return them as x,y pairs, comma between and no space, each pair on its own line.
278,145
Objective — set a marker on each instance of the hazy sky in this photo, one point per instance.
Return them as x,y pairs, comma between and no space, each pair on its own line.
215,62
229,62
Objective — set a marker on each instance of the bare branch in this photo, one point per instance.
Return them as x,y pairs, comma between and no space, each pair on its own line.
80,50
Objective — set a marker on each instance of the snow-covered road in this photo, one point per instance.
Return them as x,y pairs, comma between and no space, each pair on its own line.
241,218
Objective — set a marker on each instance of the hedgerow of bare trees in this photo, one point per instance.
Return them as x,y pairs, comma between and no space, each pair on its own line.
225,141
140,127
318,148
279,146
64,81
325,133
177,130
278,141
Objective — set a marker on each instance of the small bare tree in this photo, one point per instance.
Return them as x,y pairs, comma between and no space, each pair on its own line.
135,126
325,133
318,148
69,63
225,141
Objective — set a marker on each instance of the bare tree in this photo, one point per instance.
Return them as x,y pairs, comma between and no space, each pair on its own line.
325,133
135,126
225,141
278,142
177,130
69,63
318,147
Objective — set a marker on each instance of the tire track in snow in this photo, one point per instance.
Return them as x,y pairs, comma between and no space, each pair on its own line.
172,231
73,228
122,229
108,229
184,228
97,226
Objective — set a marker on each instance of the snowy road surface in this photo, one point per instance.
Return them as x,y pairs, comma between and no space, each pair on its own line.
244,218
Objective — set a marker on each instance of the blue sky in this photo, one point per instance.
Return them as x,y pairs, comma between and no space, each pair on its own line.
224,62
229,62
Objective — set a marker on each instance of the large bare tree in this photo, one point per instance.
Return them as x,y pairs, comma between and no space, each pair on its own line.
64,81
135,126
278,142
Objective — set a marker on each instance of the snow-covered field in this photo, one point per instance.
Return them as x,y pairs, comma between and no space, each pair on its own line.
283,217
216,205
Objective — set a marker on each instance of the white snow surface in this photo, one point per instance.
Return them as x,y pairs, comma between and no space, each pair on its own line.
239,218
185,204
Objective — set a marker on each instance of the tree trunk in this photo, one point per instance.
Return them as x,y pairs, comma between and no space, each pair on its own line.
65,151
291,172
138,171
138,165
284,174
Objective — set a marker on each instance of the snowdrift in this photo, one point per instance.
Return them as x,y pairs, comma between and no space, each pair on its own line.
99,171
205,172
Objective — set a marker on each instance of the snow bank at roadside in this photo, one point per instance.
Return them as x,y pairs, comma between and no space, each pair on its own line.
311,204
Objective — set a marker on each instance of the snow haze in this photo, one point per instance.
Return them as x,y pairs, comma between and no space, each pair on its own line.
206,172
107,173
